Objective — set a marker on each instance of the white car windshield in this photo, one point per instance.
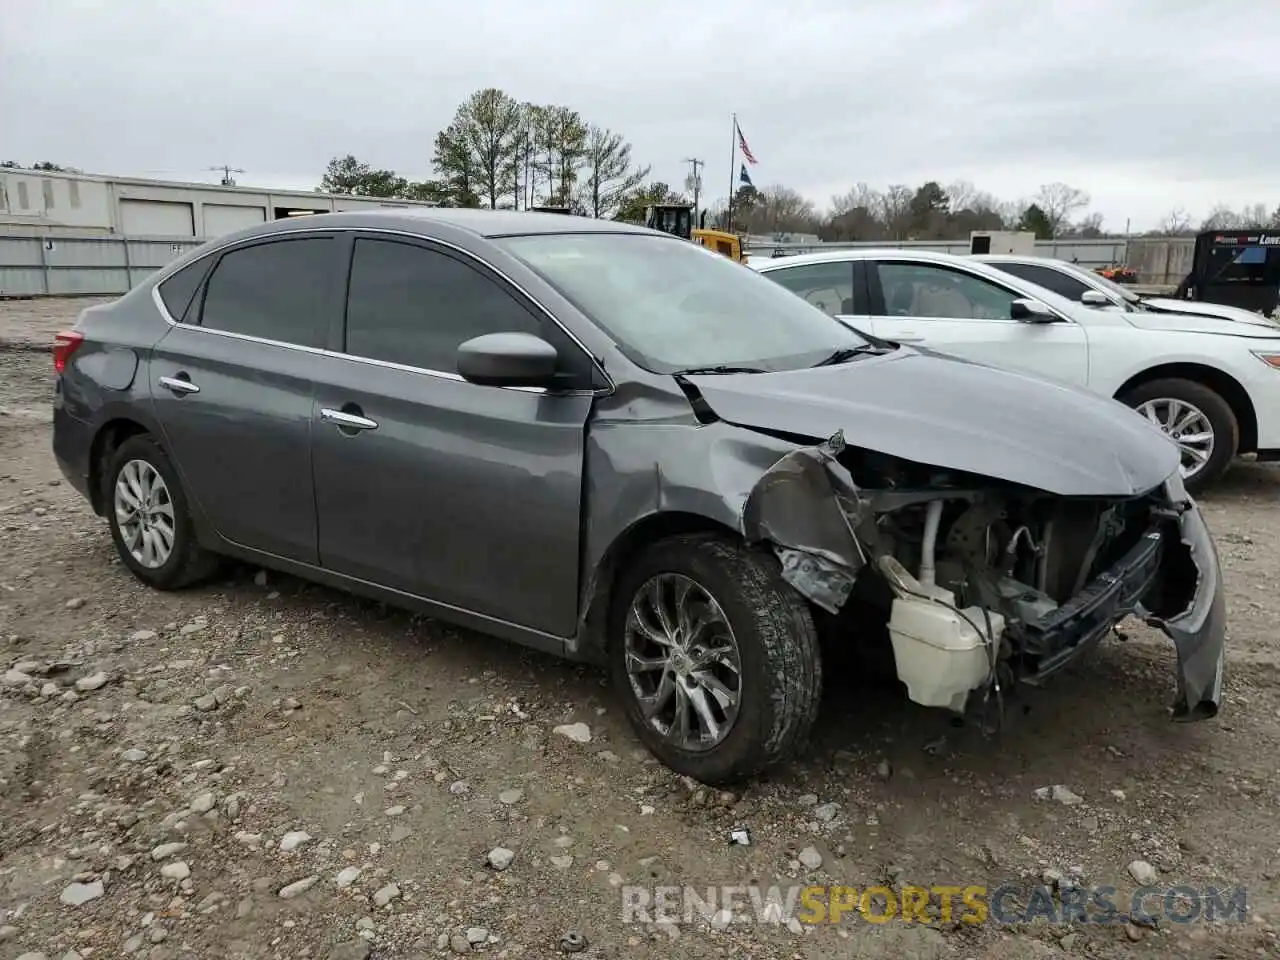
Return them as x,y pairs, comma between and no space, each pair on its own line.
672,305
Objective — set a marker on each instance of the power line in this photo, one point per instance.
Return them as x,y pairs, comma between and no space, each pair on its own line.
227,171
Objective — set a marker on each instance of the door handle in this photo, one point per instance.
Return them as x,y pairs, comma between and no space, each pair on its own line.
347,421
181,385
907,337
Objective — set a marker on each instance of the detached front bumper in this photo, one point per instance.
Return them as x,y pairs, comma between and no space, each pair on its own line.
1199,631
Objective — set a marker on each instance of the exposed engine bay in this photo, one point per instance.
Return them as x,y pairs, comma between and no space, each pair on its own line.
981,583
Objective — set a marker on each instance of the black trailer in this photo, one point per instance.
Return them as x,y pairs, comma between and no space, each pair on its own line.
1238,268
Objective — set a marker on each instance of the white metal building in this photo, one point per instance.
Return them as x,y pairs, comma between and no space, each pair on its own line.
37,201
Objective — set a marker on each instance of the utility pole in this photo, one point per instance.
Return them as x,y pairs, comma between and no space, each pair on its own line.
695,184
227,171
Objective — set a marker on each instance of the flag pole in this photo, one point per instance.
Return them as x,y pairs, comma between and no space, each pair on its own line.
733,160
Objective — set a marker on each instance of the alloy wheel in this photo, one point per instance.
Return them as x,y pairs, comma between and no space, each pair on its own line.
1187,426
144,513
683,662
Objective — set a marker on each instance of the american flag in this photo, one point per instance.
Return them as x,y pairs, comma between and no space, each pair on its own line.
742,144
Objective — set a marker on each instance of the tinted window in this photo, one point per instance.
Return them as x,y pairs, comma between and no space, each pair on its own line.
828,286
407,304
925,290
274,290
177,291
1060,283
671,305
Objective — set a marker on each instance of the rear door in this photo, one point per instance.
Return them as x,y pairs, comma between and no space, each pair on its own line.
467,495
233,393
967,315
837,287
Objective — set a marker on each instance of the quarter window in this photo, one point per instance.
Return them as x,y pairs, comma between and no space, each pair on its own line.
828,286
412,305
178,291
925,290
1060,283
276,291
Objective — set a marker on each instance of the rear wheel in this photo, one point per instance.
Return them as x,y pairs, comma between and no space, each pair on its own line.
715,656
1197,419
149,520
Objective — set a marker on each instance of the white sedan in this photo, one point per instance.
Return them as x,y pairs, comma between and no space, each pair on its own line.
1085,286
1212,384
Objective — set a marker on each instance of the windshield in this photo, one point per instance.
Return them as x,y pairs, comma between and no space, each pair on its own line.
672,305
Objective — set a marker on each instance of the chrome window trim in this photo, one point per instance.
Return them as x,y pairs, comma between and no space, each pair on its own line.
442,374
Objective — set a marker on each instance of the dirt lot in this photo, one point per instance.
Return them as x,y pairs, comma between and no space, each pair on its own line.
159,753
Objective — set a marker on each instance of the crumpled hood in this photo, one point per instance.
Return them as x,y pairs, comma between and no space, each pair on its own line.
1191,317
959,415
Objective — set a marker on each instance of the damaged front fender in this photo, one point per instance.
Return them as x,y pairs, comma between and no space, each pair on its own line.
1199,631
807,506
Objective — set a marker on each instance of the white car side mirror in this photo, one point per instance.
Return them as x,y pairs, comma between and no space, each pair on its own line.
1096,298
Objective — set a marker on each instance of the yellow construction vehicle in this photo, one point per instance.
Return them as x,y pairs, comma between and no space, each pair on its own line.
677,220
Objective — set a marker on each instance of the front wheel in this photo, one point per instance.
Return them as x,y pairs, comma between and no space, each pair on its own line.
1197,419
715,656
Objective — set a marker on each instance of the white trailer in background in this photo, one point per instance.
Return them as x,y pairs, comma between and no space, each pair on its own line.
1020,242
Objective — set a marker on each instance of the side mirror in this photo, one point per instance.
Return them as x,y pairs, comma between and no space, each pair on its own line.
1096,298
1031,311
507,360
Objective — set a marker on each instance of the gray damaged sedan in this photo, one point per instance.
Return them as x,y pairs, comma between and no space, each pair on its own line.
614,445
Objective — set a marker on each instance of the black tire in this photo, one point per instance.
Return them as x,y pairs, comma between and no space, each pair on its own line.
188,563
781,665
1226,429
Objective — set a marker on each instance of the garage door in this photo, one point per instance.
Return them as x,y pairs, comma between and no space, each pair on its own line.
220,218
156,218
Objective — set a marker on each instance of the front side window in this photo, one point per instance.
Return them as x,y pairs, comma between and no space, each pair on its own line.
672,305
412,305
1064,285
275,291
828,286
927,290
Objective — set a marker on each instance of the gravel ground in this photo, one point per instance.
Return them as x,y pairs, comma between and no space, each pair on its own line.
263,768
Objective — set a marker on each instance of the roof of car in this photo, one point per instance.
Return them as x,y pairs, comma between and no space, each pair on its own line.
1017,258
481,223
860,253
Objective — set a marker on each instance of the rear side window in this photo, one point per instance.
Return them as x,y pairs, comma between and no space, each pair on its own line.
178,291
828,286
1060,283
412,305
276,291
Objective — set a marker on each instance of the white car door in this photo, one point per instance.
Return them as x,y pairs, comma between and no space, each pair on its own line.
954,311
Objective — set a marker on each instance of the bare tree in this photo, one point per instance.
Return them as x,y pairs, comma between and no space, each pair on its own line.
1221,217
858,197
777,209
1090,226
610,175
895,210
1059,201
1175,223
1254,217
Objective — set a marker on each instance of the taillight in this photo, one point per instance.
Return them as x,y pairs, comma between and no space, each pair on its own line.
64,345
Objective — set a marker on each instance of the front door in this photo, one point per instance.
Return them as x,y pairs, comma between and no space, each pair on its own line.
967,315
467,495
232,390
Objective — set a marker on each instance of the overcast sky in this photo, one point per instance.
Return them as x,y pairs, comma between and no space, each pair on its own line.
1146,104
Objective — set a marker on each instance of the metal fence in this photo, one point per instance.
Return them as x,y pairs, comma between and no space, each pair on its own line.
82,265
43,265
